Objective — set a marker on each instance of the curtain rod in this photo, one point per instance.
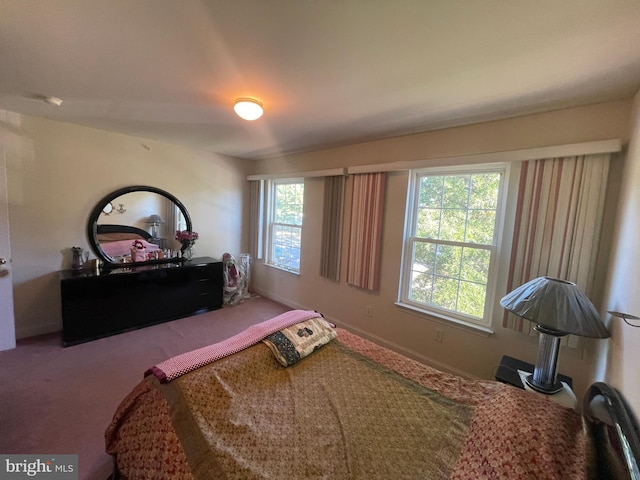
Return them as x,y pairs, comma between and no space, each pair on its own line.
586,148
332,172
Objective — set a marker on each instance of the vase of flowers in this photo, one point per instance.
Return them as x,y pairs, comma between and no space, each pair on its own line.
187,240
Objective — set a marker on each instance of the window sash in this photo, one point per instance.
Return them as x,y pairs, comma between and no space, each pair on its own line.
465,285
407,296
285,246
284,238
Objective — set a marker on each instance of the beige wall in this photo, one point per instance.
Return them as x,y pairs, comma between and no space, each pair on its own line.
57,172
575,125
619,358
462,350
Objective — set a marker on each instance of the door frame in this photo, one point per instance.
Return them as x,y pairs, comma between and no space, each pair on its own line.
7,318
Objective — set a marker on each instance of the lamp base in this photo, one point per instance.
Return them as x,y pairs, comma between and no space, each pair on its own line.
544,379
547,389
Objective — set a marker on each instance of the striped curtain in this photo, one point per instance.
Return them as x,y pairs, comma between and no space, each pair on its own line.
365,236
332,214
170,221
558,223
256,216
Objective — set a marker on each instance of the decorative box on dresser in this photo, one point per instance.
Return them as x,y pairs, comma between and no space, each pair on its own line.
99,304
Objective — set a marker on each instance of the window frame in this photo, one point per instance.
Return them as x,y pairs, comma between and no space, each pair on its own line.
410,239
271,223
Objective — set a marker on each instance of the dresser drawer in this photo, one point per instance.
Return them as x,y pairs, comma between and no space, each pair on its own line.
96,305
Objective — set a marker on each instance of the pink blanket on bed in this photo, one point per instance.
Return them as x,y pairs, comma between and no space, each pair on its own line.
187,362
120,248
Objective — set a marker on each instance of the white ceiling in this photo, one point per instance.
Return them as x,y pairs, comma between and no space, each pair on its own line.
329,72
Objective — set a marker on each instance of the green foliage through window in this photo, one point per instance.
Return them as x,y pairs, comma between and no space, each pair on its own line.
286,224
453,241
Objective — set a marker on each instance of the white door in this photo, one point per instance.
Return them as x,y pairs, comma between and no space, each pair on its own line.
7,326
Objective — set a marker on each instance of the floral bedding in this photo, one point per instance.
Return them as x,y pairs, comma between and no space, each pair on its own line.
351,409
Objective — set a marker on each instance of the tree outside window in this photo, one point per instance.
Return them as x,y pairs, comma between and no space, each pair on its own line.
451,243
287,197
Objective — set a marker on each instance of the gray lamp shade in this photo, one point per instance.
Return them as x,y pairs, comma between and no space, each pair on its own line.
154,219
557,305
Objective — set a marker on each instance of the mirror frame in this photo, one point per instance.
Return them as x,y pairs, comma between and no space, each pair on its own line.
92,223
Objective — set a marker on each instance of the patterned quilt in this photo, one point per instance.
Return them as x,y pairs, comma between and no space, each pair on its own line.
351,409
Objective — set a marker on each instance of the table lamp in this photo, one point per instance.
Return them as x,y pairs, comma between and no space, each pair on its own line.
154,220
558,308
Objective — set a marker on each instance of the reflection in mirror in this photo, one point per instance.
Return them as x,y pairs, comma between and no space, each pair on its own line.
150,220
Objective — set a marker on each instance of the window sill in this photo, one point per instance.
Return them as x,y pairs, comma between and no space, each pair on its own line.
280,269
451,321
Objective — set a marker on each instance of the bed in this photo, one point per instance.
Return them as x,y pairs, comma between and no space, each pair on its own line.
294,397
117,240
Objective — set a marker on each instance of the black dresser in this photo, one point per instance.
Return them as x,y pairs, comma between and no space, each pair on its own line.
96,305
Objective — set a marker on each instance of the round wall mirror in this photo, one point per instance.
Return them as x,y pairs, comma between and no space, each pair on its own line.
147,216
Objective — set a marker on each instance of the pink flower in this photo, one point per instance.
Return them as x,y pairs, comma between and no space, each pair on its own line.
186,236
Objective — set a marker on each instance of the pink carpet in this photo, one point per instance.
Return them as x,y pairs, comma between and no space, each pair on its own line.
60,400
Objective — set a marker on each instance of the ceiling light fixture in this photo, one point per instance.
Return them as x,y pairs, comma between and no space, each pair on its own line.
248,108
55,101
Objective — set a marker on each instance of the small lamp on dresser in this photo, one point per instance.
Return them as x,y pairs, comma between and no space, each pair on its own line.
154,220
558,308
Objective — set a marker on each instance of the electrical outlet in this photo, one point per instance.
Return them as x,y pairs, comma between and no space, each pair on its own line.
368,311
439,334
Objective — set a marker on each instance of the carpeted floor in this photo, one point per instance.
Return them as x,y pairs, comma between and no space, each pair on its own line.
60,400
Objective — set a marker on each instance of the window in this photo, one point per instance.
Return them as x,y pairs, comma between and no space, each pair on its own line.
452,225
286,198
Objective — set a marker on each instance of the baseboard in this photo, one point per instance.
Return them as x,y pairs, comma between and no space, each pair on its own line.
279,299
373,338
34,331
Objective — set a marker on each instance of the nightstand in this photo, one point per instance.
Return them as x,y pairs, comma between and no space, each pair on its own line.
513,372
508,372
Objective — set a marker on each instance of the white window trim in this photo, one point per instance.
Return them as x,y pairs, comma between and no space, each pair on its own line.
405,268
269,210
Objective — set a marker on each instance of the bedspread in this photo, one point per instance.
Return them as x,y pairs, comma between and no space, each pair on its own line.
121,248
350,410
